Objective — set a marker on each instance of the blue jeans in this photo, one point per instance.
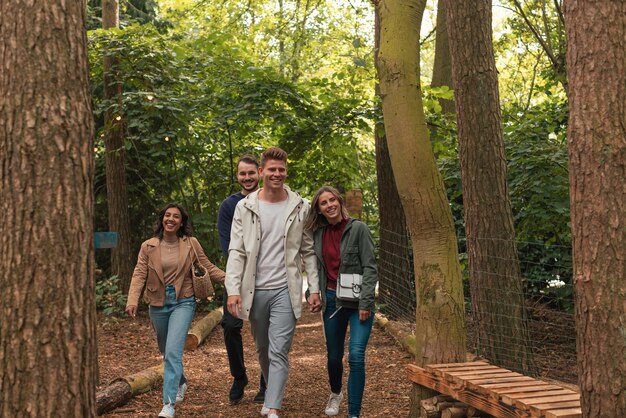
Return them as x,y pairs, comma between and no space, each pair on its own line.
171,323
335,332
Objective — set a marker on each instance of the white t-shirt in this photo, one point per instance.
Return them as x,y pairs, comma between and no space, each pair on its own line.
271,271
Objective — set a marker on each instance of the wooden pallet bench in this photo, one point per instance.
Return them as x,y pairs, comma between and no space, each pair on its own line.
499,392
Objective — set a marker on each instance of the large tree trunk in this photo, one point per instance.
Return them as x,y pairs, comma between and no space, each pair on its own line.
596,64
495,278
440,336
395,276
47,331
442,67
122,263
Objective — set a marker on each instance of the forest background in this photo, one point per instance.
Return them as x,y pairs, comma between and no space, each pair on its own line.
199,83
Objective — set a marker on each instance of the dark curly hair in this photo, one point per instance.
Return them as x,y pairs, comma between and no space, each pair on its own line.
185,226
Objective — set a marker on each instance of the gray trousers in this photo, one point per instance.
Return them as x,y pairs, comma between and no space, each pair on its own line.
273,325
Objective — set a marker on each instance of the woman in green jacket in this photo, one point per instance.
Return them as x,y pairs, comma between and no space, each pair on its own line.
343,246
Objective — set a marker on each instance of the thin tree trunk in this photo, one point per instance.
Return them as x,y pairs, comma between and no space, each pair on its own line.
299,39
47,331
396,279
438,283
442,67
596,63
395,276
495,278
122,263
282,30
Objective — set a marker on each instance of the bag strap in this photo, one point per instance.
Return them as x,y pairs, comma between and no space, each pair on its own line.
193,247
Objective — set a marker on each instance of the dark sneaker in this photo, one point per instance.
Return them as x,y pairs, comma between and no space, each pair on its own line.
236,391
260,396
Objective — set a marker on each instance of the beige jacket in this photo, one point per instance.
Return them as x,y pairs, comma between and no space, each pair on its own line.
148,272
245,237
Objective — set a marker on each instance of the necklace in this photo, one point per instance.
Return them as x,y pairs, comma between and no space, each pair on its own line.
169,245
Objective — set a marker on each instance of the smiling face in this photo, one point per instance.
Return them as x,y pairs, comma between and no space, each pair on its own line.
172,221
247,177
273,174
329,206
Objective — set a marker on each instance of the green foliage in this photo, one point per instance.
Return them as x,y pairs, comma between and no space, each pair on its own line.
539,191
110,299
432,95
195,96
131,11
538,177
530,53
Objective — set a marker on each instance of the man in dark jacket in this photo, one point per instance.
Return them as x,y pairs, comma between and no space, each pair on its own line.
248,178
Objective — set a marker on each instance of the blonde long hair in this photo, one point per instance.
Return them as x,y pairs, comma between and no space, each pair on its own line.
315,219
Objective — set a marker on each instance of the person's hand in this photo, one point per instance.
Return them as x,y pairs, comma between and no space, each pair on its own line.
315,303
131,310
234,305
363,315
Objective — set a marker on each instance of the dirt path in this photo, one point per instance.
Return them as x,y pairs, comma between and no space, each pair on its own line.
127,346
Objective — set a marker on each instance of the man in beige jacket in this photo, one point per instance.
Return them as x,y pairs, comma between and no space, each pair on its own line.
263,276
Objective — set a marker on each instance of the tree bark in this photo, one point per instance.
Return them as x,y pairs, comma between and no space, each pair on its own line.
122,260
47,302
495,277
395,276
596,62
440,337
442,67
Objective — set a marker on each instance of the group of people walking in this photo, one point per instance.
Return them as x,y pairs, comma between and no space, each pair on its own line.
270,236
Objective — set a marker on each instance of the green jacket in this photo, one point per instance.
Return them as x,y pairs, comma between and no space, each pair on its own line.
357,256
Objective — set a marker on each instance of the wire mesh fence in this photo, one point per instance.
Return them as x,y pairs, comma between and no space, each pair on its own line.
522,320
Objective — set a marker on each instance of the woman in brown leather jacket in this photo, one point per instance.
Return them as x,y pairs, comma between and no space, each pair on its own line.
163,272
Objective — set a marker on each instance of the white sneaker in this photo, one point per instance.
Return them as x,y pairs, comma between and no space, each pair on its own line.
272,416
265,410
332,407
180,395
167,411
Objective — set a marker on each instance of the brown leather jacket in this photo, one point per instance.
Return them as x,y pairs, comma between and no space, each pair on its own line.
148,274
